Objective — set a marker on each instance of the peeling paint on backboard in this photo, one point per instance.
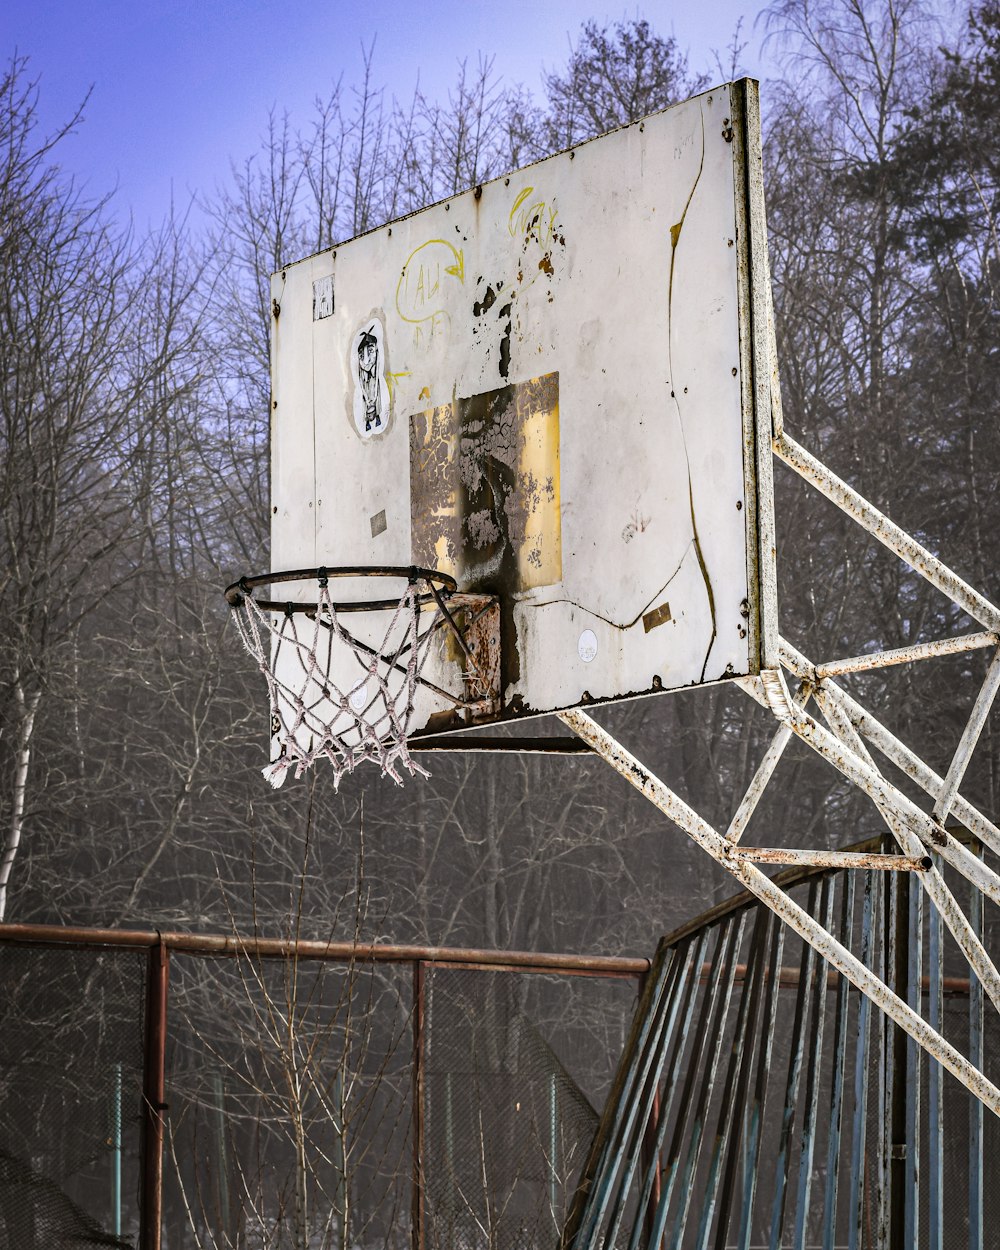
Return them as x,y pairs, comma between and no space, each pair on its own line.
484,501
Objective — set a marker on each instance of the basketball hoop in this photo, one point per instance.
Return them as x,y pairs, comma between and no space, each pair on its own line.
337,696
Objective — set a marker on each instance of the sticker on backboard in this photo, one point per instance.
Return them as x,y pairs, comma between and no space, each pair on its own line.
323,298
370,405
484,473
587,646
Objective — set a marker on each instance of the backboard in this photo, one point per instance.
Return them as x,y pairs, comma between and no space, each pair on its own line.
544,388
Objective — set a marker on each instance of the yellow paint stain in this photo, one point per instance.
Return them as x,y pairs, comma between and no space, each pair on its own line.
392,379
533,219
443,560
438,323
539,553
512,225
425,393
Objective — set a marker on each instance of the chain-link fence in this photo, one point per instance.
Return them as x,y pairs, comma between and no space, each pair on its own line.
324,1097
70,1096
505,1126
309,1097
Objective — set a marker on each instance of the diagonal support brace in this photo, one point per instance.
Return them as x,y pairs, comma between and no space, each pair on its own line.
810,930
769,689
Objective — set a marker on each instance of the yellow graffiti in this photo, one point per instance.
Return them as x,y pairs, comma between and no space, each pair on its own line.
425,330
532,218
422,289
393,378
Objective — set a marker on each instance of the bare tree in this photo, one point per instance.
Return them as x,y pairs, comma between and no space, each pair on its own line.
65,391
615,75
293,1107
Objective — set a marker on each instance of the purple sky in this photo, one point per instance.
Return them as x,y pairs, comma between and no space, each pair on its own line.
180,88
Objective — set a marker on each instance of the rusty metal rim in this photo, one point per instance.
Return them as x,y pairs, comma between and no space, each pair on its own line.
244,587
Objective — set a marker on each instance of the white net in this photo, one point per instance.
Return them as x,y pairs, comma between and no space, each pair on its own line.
332,695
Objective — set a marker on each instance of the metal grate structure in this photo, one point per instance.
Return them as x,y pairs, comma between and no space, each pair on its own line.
762,1101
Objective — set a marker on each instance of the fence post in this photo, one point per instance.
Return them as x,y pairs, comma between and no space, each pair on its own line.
418,1105
116,1153
153,1098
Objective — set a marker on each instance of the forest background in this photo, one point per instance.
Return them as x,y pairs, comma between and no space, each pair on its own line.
134,486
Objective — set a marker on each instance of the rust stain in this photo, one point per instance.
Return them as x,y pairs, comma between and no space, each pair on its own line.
484,500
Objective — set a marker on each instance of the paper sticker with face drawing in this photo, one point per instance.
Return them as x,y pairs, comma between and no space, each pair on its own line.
368,369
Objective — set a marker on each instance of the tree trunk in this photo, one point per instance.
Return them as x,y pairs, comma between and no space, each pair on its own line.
27,706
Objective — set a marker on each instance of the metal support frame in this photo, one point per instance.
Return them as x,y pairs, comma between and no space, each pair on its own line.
800,1086
753,880
842,737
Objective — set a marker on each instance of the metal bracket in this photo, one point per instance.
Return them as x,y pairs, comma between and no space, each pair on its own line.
842,738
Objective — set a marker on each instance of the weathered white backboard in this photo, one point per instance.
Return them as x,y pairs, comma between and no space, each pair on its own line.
544,388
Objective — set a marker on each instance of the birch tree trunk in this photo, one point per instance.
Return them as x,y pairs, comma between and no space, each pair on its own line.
27,707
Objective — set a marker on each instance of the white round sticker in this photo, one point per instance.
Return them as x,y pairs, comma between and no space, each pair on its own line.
358,698
587,646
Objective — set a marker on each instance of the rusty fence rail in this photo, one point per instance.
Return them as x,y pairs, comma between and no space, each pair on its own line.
177,1175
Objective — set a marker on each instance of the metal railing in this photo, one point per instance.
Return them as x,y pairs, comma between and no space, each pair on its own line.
185,1096
759,1099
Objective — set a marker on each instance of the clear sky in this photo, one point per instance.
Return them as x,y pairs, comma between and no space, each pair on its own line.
181,87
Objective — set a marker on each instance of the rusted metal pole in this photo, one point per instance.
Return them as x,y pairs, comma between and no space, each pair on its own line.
650,1154
887,532
970,736
857,770
153,1098
898,1092
834,859
417,1220
891,747
933,882
765,770
758,783
234,946
907,655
